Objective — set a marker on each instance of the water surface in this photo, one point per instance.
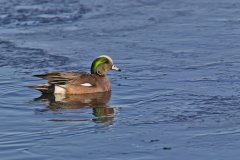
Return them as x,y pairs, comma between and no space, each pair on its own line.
177,96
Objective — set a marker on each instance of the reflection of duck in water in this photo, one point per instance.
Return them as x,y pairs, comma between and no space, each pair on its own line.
80,89
97,101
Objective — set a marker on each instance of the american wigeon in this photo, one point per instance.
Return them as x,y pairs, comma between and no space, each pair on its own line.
79,82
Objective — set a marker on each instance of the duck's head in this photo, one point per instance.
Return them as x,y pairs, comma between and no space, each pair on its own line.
102,64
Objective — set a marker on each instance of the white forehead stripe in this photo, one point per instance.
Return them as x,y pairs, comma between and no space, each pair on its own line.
109,58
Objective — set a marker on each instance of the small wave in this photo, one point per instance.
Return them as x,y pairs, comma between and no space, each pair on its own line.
28,58
32,13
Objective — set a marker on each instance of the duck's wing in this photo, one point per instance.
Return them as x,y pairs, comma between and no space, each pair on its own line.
85,79
72,78
60,78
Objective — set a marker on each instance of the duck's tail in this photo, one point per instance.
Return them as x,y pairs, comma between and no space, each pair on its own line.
44,88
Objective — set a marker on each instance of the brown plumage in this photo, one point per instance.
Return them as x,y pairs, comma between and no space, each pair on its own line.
79,82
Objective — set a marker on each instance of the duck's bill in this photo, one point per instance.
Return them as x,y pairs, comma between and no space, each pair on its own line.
115,68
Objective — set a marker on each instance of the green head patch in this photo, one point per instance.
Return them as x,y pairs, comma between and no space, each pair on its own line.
97,62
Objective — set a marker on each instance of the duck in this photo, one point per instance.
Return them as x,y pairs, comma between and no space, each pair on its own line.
75,83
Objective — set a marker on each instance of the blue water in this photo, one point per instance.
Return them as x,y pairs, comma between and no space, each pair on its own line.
177,97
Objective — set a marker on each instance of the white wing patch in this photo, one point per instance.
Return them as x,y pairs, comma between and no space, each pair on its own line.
86,84
59,89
